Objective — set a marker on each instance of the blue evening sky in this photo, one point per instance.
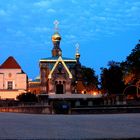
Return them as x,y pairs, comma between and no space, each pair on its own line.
105,29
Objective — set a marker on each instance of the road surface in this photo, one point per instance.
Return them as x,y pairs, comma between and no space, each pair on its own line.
34,126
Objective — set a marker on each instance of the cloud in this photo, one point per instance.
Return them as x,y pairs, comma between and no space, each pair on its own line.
133,24
19,33
41,29
82,19
44,3
74,1
3,12
50,10
99,18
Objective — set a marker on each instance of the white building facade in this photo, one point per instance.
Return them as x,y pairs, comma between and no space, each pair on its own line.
13,81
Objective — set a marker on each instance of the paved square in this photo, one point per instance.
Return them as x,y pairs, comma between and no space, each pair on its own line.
33,126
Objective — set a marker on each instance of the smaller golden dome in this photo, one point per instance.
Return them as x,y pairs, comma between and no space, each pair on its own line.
60,53
56,37
77,55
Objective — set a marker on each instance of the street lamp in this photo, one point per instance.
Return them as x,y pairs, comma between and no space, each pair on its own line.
76,86
137,89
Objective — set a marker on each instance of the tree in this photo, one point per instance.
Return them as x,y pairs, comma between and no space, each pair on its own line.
27,97
131,67
90,80
112,78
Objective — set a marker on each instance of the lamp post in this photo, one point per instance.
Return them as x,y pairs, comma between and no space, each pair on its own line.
76,86
85,85
137,89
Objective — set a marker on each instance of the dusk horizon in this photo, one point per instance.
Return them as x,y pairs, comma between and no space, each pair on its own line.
105,30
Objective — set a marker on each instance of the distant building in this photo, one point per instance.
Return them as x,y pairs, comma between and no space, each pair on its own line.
58,74
13,81
34,86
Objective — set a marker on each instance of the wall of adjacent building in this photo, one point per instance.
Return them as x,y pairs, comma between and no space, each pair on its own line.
1,81
19,79
34,87
12,94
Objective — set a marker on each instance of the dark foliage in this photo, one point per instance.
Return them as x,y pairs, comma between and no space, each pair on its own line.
27,97
112,79
132,64
90,80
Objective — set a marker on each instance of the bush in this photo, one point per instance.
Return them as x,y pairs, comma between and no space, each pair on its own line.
27,97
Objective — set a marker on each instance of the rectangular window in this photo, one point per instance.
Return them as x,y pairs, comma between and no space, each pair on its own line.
10,85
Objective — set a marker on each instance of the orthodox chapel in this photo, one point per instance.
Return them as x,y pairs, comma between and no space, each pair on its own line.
59,74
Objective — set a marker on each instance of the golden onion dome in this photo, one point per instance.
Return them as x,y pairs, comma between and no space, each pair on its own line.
77,55
56,37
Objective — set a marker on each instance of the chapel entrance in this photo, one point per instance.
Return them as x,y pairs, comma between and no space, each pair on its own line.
59,89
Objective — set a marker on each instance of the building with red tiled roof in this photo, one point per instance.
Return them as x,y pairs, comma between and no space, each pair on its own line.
10,63
13,81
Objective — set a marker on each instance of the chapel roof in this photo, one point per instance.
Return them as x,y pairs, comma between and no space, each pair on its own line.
56,58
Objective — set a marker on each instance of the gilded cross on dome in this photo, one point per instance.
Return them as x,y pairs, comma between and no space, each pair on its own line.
56,23
77,47
77,55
